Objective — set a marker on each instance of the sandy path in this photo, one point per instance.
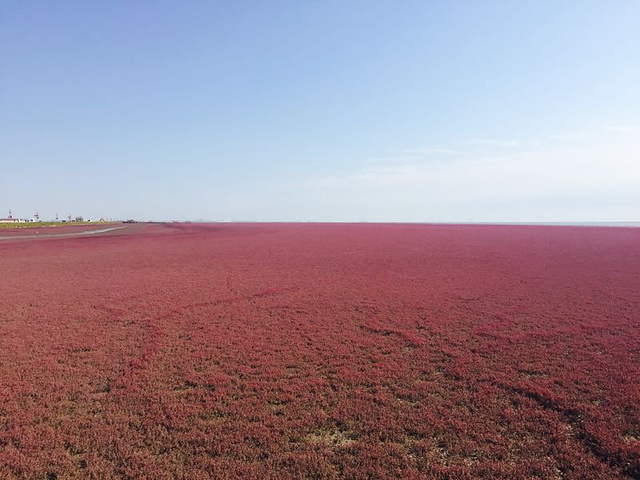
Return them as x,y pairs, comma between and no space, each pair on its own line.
36,234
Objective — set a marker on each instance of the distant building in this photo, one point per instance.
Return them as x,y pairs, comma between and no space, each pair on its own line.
10,219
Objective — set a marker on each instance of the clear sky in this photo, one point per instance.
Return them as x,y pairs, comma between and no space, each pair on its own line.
321,110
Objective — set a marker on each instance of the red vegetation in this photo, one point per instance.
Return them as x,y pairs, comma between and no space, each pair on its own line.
321,351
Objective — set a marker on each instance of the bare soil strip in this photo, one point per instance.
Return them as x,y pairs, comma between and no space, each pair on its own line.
59,235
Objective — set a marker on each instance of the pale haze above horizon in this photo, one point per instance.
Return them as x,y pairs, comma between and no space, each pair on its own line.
410,111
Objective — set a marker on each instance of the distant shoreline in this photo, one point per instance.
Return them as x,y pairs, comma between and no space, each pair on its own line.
356,222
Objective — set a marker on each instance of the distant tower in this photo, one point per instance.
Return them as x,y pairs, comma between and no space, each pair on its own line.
10,216
56,217
69,217
36,216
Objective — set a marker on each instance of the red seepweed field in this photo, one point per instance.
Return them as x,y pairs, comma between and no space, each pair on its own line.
321,351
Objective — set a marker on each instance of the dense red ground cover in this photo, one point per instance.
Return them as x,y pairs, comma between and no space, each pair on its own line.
322,351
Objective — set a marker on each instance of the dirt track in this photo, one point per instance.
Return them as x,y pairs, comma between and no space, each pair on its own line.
36,233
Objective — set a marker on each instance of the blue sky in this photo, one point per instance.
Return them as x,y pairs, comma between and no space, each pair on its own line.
329,111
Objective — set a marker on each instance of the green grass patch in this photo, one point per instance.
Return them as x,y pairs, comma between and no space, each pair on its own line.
47,224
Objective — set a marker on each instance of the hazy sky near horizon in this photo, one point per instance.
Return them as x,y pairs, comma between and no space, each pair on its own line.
328,111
